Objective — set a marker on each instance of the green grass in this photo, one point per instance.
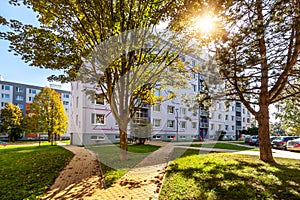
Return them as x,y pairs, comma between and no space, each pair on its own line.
230,176
27,171
111,165
66,141
220,145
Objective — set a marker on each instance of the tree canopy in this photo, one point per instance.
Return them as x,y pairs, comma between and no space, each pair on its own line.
11,119
289,115
47,114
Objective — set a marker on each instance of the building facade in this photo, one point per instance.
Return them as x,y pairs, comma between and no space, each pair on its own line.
92,122
22,95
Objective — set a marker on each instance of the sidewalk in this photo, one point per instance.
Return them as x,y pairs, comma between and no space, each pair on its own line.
81,178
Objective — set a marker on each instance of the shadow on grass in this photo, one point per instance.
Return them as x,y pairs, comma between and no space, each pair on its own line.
226,176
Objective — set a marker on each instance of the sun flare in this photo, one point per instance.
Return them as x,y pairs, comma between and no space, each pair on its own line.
204,24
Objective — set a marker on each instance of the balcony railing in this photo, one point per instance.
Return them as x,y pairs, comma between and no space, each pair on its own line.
238,109
204,125
238,118
203,113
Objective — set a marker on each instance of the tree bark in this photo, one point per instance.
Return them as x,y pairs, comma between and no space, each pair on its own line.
264,135
123,144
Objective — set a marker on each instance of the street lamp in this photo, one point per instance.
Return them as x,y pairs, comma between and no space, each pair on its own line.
176,124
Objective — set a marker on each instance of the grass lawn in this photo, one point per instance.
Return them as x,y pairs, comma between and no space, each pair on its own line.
26,172
220,145
230,176
112,167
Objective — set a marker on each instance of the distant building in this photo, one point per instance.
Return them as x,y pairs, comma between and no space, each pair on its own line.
23,95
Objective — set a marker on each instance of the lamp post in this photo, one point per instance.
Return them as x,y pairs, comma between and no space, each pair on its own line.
177,124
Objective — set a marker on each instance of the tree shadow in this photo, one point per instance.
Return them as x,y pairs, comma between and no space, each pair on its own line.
238,179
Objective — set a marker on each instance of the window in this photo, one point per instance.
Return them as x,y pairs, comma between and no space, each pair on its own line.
5,87
183,111
226,117
170,137
211,126
226,127
193,63
21,106
76,120
248,120
193,75
232,118
220,127
244,119
156,136
3,104
32,91
5,96
77,99
18,89
183,124
97,137
156,108
19,98
65,95
171,109
65,103
232,108
170,123
194,87
157,92
183,59
182,137
30,99
98,119
99,100
232,128
156,122
220,105
194,125
219,116
117,137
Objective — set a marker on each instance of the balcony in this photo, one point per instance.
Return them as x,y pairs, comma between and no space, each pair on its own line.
203,113
238,118
238,128
204,125
238,109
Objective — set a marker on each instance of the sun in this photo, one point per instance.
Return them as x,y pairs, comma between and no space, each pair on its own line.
204,24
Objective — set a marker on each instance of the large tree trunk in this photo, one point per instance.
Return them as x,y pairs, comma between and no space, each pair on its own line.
123,145
264,135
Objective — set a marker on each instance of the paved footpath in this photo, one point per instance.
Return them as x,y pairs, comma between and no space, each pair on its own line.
81,178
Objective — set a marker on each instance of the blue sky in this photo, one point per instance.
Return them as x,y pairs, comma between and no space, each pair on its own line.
13,68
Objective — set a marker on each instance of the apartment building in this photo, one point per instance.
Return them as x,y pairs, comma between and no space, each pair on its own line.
92,122
23,95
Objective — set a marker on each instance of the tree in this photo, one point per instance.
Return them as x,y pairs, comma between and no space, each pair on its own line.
259,57
11,120
48,114
257,47
289,115
74,36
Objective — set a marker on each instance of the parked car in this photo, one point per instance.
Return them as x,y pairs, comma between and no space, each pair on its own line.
293,145
280,143
251,140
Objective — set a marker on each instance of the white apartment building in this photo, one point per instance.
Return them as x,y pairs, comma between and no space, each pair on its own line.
92,122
